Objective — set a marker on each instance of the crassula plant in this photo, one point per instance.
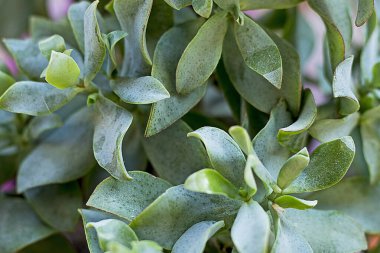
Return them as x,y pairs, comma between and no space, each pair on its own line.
185,126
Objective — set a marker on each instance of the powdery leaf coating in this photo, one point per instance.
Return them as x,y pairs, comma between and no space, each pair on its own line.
175,211
328,164
202,54
259,51
58,200
34,98
76,18
68,150
251,229
20,226
111,123
195,238
365,10
142,90
127,199
62,71
178,4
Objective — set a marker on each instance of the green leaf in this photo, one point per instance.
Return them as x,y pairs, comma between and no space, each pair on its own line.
133,18
287,136
55,243
5,82
268,4
27,56
259,51
48,162
211,182
127,199
202,7
34,98
233,7
202,54
167,111
94,46
288,240
20,226
292,168
142,90
172,149
342,88
365,10
76,18
136,247
52,43
110,41
224,154
178,4
241,136
251,229
328,164
329,129
249,179
195,238
326,231
354,197
338,27
160,220
287,201
62,71
370,134
112,230
111,123
59,200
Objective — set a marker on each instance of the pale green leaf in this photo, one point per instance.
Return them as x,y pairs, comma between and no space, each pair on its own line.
62,71
202,7
5,82
52,43
241,136
75,15
365,10
287,201
178,4
292,168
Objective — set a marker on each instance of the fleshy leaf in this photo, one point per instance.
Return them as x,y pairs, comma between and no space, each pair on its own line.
241,136
342,88
203,7
328,164
224,154
39,125
292,168
127,199
159,221
251,229
34,98
142,90
259,51
76,17
195,238
211,182
202,54
178,4
111,124
287,201
53,43
62,71
365,10
59,200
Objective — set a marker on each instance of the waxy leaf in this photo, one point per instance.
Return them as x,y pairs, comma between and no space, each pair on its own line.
292,168
251,229
354,197
365,10
20,226
110,41
249,179
342,88
48,162
328,164
53,43
268,4
212,182
62,71
136,247
58,200
142,90
34,98
338,27
172,149
286,136
27,56
167,111
241,136
94,46
326,231
203,7
287,201
288,240
224,154
259,51
329,129
133,18
127,199
202,55
112,230
195,238
76,17
111,124
159,221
